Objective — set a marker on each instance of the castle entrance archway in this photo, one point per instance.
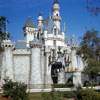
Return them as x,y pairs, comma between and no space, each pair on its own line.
56,67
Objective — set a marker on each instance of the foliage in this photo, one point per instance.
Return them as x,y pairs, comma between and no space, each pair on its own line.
88,94
53,95
70,84
93,68
15,90
90,51
93,6
90,44
2,28
46,96
56,95
3,34
87,83
68,94
94,83
66,85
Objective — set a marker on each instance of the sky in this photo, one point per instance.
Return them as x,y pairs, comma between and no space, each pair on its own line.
73,12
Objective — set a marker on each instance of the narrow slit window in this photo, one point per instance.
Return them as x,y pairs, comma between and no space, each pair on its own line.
55,31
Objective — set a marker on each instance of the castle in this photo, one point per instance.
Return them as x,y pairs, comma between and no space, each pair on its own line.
44,56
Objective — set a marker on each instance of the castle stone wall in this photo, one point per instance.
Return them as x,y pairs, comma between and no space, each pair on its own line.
22,68
8,63
36,77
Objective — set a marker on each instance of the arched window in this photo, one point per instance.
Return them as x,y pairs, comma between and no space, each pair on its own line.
55,31
56,14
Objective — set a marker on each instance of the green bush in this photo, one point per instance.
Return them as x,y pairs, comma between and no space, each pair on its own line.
59,86
69,84
88,94
94,83
56,95
87,83
66,85
53,95
68,94
15,90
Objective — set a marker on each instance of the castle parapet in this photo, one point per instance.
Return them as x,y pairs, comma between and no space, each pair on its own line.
7,43
35,44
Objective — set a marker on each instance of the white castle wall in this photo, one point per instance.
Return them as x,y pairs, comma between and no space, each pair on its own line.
8,63
22,68
42,62
36,78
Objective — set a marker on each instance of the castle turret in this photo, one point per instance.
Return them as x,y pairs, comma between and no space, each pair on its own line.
7,65
56,14
40,19
30,31
36,77
74,53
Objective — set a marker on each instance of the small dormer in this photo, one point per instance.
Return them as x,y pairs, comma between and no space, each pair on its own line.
30,31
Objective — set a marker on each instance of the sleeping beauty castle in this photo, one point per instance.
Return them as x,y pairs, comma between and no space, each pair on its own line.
46,55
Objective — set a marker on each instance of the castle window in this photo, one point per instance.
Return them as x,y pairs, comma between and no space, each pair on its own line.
56,14
55,31
54,42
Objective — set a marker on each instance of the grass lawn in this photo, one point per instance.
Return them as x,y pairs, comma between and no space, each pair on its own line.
38,96
35,96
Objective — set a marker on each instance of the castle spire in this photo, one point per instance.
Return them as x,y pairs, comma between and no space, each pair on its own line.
64,27
55,1
49,14
56,14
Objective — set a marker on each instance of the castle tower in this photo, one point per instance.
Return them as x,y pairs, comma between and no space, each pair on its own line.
30,31
56,14
74,53
40,19
36,77
7,65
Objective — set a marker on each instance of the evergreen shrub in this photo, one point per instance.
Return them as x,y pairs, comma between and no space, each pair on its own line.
66,85
87,83
15,90
88,94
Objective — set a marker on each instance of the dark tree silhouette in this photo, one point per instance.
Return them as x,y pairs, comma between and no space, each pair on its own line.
93,6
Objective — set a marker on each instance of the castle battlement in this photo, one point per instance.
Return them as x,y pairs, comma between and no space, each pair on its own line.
35,44
7,43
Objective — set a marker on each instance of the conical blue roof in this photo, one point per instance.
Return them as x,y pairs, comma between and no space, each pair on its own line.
21,45
48,24
29,23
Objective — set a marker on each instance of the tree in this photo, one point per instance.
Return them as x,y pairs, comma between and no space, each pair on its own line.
90,45
93,6
3,33
88,94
